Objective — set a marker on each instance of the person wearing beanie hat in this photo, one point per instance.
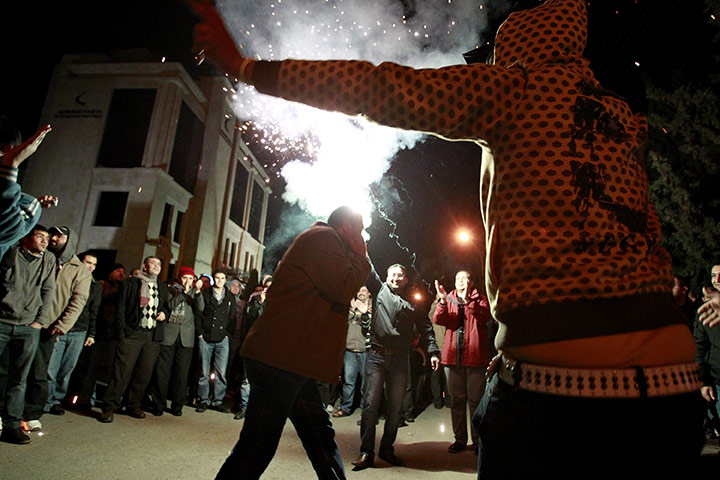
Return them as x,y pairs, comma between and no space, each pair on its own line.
177,339
186,271
575,273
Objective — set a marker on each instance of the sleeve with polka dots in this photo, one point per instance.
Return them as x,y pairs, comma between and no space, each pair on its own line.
460,102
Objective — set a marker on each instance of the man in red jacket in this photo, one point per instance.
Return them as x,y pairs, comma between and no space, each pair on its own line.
464,313
297,341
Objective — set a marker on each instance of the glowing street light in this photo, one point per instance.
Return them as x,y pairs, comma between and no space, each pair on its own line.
463,236
417,296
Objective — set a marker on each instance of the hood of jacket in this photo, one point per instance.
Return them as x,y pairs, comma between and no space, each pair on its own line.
551,33
64,255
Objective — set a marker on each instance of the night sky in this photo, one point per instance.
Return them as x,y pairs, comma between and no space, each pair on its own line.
437,181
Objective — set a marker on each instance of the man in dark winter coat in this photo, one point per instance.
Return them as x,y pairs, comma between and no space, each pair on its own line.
142,302
215,327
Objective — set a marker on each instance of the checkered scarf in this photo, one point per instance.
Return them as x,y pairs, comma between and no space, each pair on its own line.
149,301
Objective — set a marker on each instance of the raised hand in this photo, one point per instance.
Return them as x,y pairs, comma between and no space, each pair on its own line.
709,312
441,293
47,201
16,155
212,41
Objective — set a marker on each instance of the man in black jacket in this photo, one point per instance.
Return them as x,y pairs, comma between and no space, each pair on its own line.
394,323
215,327
707,339
142,302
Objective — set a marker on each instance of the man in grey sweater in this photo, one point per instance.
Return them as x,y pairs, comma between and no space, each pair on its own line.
27,285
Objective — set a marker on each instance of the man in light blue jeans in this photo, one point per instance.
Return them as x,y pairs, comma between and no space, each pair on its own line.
68,347
214,327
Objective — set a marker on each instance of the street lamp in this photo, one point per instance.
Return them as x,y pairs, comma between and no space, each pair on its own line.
463,236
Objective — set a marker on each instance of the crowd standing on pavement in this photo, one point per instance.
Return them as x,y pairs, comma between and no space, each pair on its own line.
328,313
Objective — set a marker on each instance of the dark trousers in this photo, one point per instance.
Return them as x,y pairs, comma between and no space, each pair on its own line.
439,389
275,396
95,365
170,377
36,395
18,344
525,434
390,371
134,362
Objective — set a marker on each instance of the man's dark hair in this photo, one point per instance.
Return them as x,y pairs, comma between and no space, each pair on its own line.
340,214
220,270
9,134
84,254
145,260
37,228
397,265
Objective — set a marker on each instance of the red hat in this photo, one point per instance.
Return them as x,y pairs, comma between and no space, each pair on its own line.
186,271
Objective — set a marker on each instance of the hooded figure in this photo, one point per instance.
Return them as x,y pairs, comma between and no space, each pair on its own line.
72,283
72,288
574,272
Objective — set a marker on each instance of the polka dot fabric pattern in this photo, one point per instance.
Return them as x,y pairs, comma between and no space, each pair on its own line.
563,187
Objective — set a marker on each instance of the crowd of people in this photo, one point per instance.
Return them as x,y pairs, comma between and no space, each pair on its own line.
576,294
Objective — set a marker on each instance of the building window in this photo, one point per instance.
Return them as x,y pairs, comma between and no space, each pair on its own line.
178,227
240,185
166,223
187,149
111,209
126,129
256,211
233,251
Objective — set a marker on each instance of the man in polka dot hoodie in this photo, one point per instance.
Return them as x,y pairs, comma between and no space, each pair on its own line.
575,275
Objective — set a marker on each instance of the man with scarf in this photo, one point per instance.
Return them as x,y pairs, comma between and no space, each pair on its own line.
72,287
142,302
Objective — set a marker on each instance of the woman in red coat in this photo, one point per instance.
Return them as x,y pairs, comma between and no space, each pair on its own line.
465,313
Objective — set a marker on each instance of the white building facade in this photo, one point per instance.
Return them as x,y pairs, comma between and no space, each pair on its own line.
146,161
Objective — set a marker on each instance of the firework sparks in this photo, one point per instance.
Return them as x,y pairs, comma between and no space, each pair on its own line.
328,159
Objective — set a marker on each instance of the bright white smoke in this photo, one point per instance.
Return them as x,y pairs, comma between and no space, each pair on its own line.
347,154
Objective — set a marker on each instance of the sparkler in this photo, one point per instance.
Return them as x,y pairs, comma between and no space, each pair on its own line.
328,159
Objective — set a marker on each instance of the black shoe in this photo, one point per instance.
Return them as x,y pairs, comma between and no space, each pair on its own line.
136,413
410,419
176,412
106,417
201,407
391,458
15,435
221,408
403,423
240,414
157,411
457,447
362,462
56,410
438,405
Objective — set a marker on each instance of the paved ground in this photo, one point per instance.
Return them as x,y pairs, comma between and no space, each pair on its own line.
194,446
